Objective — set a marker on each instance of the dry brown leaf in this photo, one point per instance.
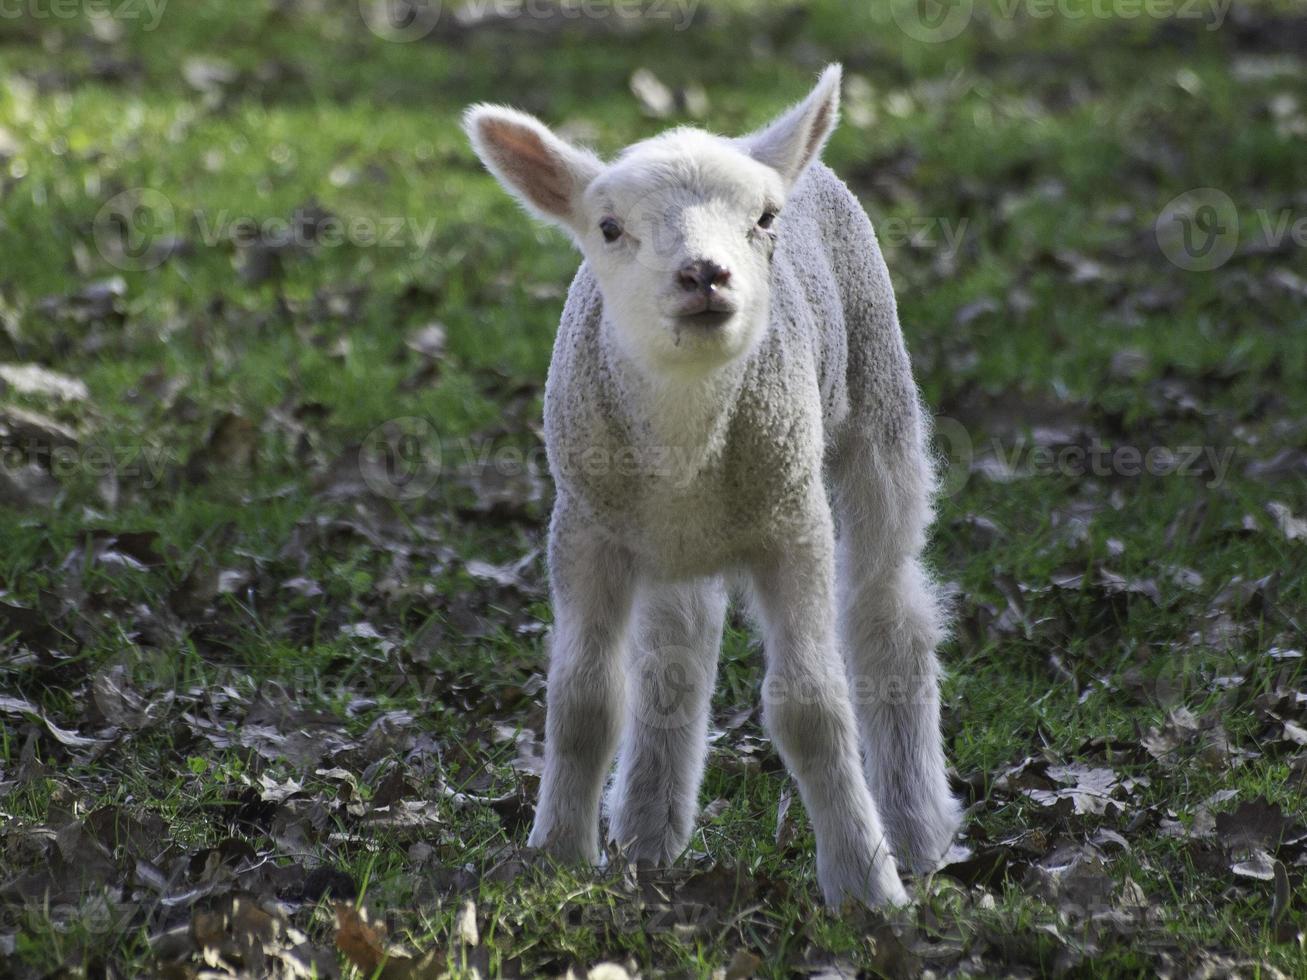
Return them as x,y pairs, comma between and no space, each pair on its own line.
743,964
363,943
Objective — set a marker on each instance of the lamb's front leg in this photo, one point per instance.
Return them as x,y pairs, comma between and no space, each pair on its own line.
592,583
807,711
678,633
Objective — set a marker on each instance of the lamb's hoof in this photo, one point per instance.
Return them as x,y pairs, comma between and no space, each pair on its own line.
874,883
922,837
564,848
654,848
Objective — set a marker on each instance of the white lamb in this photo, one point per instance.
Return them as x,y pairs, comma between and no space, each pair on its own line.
731,337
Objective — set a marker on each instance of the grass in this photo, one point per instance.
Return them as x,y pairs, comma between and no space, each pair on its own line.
1048,146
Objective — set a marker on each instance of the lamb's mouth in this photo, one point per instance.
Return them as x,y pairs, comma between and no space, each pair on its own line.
708,318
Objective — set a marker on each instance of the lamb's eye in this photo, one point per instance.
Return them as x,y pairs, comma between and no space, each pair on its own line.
611,229
767,218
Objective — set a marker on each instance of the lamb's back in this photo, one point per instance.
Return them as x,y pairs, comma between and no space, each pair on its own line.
866,366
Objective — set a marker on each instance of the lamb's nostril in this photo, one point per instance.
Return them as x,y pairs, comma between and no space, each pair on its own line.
702,275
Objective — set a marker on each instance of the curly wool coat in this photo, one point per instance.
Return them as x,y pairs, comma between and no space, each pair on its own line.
833,352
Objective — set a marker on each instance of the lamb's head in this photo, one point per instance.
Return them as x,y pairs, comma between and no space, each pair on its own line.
678,229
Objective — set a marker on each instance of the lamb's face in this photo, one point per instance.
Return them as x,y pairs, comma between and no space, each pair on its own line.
679,230
679,233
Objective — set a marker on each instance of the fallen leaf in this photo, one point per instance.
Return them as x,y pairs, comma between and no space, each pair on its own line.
28,429
1293,528
33,379
1089,789
465,926
230,448
1254,824
1259,865
743,965
363,943
27,486
428,341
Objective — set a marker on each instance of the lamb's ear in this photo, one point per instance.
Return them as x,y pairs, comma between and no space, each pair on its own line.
794,139
544,172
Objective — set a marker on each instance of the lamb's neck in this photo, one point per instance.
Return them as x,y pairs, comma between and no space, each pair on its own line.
685,411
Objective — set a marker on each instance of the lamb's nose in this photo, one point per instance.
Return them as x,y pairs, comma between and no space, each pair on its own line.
702,275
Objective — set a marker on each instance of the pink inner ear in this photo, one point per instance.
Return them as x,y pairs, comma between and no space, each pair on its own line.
820,123
529,163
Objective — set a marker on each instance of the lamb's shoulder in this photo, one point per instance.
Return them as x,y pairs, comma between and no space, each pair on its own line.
842,223
586,434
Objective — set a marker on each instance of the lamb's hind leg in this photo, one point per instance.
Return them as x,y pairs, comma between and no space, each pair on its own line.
678,631
890,623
